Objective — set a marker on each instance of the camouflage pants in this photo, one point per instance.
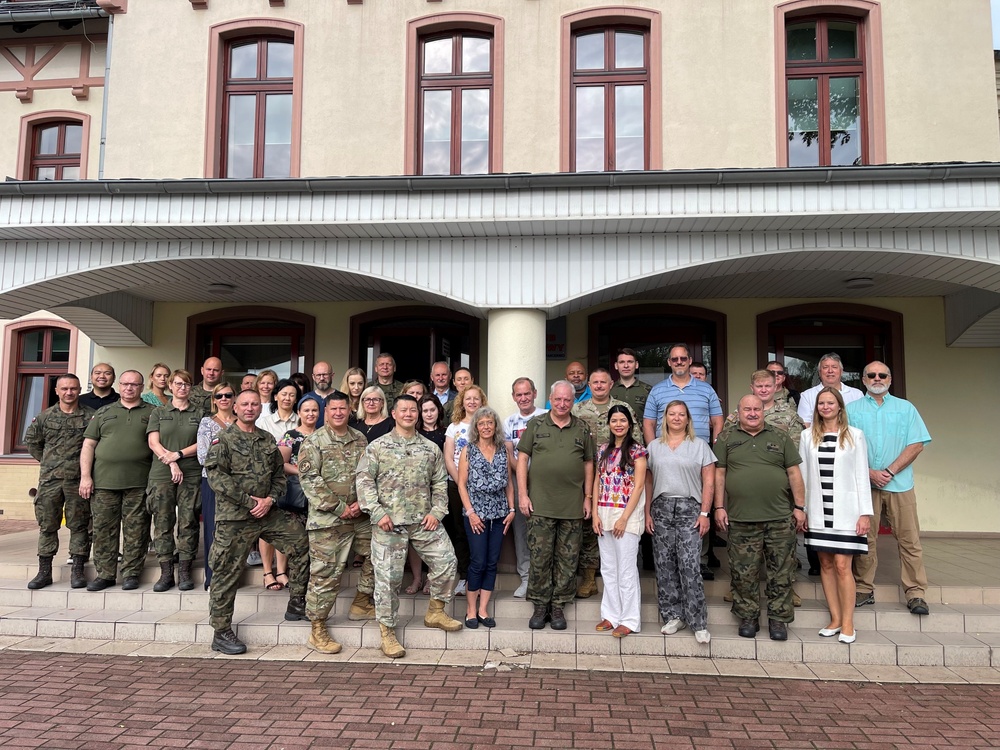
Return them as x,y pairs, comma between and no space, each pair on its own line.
55,497
590,551
124,512
680,592
555,552
770,542
328,552
363,547
234,539
389,556
172,503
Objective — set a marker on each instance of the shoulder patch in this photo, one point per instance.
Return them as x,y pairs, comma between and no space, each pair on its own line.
215,440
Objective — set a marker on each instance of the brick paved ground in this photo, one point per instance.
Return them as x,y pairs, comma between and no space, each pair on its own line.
67,701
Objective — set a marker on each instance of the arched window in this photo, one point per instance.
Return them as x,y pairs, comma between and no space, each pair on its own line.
53,145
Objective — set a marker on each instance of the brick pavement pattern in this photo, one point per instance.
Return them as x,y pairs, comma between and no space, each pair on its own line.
67,701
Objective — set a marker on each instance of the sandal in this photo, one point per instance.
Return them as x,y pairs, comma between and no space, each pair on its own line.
276,585
414,588
621,631
285,584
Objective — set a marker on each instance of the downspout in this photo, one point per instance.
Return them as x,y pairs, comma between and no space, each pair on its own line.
104,105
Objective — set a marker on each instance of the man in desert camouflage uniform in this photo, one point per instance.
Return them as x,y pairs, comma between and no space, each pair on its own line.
328,460
402,484
54,439
778,414
594,413
114,467
247,473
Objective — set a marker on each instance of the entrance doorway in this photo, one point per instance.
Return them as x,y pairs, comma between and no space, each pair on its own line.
416,337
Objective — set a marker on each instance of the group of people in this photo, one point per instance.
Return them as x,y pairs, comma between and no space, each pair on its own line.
406,473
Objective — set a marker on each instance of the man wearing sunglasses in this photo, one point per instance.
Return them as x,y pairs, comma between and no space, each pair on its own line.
896,435
831,370
782,393
701,399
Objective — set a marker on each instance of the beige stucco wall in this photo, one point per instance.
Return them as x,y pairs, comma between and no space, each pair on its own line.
957,476
939,101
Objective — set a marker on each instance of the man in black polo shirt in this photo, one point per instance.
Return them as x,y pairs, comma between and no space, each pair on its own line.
756,472
102,392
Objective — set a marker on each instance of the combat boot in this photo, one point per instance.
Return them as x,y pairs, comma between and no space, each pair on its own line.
361,608
436,617
166,580
184,582
77,578
296,608
227,642
390,646
588,584
44,576
320,639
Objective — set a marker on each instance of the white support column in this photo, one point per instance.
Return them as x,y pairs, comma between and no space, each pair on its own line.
516,349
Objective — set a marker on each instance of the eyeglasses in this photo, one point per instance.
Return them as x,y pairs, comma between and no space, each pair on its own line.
178,385
372,400
879,375
217,396
130,385
777,372
678,359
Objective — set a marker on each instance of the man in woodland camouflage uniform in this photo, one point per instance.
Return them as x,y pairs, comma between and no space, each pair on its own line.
54,439
114,467
594,412
247,473
328,460
403,486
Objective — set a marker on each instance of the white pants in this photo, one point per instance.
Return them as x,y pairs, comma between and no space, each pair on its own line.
620,605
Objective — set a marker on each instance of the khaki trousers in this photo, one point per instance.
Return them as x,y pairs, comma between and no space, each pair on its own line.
901,510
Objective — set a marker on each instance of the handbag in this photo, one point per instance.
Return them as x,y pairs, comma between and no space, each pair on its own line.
295,499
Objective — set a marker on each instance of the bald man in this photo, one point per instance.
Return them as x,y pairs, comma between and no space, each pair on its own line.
576,375
211,376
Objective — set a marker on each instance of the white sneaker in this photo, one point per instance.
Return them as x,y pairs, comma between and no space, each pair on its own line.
254,558
461,587
673,626
521,591
702,636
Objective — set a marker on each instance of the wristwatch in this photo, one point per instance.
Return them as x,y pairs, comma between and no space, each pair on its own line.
801,507
704,514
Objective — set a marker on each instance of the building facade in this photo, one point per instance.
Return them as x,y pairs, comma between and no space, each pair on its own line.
508,185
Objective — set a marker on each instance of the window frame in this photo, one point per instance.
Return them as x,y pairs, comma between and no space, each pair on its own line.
30,129
220,37
609,78
456,83
873,122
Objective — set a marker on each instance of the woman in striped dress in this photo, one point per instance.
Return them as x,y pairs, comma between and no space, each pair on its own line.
838,505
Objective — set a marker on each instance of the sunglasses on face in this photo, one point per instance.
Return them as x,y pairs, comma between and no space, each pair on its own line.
879,375
217,396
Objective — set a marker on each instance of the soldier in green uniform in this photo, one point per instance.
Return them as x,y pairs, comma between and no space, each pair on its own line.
403,485
594,413
211,375
247,473
781,415
385,371
114,467
555,473
328,460
629,388
54,439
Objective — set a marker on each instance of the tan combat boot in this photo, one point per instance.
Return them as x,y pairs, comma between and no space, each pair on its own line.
361,608
390,646
436,617
588,584
320,639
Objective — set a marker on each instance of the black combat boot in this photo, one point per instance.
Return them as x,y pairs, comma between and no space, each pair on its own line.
184,582
166,581
44,576
227,642
77,578
296,608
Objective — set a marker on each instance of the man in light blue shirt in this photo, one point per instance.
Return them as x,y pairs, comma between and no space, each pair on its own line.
896,435
701,399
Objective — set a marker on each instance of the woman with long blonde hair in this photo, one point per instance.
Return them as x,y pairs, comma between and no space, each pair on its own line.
352,384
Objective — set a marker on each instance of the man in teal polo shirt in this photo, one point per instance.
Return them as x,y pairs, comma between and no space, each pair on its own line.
896,435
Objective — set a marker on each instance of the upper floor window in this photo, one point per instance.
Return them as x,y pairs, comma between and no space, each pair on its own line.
825,83
55,151
43,354
609,99
257,107
455,99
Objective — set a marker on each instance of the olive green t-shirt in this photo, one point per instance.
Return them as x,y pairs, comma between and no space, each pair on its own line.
757,474
558,455
122,457
178,429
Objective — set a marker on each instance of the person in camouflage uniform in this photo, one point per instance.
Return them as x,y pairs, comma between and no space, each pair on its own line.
555,476
211,375
756,474
385,371
114,466
594,413
55,439
403,485
247,473
328,460
778,414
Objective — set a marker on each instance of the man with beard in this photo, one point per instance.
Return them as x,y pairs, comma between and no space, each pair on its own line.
896,435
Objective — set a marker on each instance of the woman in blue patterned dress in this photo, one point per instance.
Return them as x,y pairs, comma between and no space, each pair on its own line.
487,492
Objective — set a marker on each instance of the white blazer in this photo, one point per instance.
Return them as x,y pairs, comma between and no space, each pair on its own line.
852,497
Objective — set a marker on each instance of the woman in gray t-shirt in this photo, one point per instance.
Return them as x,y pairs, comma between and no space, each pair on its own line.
683,482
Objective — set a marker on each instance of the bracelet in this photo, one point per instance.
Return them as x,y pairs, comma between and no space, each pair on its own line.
890,472
718,508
